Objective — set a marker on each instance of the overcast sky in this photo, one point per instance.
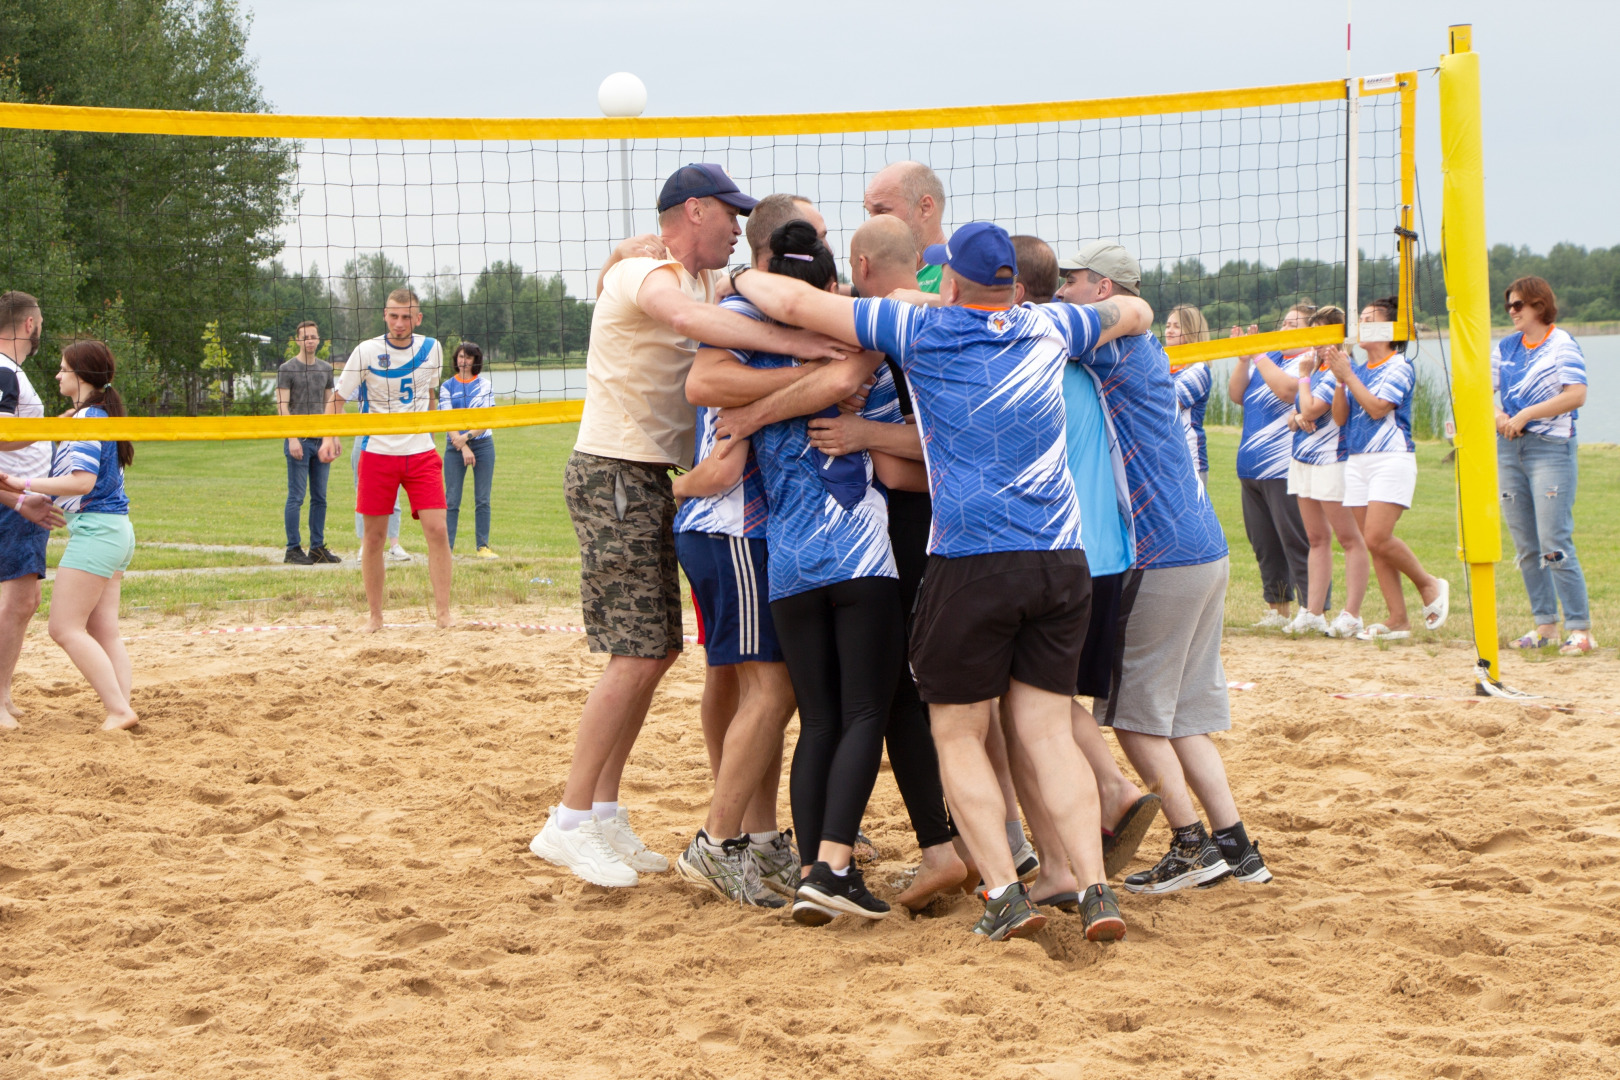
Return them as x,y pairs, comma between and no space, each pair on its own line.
1551,123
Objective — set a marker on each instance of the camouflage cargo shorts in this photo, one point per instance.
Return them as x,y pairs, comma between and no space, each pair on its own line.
629,581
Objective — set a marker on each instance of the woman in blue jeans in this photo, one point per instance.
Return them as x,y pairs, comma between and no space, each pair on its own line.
465,450
1541,376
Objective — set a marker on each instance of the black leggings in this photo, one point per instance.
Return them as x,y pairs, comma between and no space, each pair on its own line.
911,742
844,645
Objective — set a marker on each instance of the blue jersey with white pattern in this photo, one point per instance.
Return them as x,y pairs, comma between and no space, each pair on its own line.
1192,394
1530,377
1174,522
1266,444
987,387
1391,379
740,510
95,456
1326,444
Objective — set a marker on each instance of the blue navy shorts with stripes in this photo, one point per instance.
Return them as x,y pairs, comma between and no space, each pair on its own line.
731,592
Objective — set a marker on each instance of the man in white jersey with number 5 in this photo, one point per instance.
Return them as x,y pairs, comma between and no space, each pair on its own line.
398,373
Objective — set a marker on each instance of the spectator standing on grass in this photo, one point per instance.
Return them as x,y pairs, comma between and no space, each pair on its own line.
1541,376
1183,326
463,450
86,478
25,524
304,388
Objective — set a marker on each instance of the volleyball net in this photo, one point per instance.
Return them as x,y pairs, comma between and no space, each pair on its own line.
196,243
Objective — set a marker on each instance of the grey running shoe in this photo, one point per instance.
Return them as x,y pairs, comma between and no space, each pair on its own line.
731,871
1100,910
1027,862
1182,867
778,864
1010,916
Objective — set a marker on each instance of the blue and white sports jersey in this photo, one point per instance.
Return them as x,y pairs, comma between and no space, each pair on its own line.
393,378
1192,394
1266,445
101,460
1174,522
814,536
1099,475
1526,377
476,393
1326,444
740,510
1391,379
987,386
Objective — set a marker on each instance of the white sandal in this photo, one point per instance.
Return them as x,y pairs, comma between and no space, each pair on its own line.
1379,632
1434,615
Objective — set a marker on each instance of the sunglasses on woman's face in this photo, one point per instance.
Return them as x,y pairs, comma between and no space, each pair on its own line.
1516,306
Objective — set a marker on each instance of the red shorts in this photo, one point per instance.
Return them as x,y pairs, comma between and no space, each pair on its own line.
382,475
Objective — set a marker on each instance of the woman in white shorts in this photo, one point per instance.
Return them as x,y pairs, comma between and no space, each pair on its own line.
1380,473
1316,478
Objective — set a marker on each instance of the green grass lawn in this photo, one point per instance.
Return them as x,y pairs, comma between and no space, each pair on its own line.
232,493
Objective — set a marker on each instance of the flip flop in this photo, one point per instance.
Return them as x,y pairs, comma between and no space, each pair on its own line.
1379,632
1119,848
1068,902
1434,615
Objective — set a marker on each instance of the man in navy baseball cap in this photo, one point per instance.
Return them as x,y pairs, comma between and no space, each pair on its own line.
702,180
980,252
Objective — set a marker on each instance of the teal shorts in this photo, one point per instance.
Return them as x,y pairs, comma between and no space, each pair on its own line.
99,544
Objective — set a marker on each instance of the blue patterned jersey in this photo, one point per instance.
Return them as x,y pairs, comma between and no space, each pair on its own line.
740,510
1326,444
1391,379
1530,377
1174,522
987,387
99,458
1266,445
1192,395
818,532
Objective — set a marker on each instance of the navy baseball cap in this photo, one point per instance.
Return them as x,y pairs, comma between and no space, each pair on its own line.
976,251
701,180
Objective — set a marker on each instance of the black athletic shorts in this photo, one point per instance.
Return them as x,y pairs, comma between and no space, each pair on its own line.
984,619
1111,597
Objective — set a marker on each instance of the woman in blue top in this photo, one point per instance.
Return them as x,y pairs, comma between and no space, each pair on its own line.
1540,373
1380,472
87,481
464,450
1183,326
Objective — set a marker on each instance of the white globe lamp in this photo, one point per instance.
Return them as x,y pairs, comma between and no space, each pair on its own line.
621,94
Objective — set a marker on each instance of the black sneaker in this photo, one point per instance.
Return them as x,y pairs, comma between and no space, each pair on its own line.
1100,910
323,554
1010,916
846,895
1181,868
295,554
1251,868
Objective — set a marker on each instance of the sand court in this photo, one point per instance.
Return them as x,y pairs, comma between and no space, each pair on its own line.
311,860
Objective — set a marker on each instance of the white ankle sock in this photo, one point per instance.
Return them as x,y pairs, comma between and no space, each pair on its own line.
996,894
763,839
841,873
569,819
604,811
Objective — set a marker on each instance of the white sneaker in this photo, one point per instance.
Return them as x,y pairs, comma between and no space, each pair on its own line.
623,840
1307,623
583,851
399,554
1345,625
1274,621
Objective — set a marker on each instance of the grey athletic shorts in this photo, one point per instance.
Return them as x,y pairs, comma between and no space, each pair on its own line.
1171,681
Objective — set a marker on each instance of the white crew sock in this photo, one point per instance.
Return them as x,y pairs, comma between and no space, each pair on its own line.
763,839
996,894
604,811
1015,834
569,819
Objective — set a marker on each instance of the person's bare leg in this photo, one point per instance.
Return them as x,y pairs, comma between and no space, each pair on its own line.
1067,788
995,745
1319,563
1115,792
760,815
19,599
1054,876
74,598
103,626
754,740
720,696
1379,532
971,787
1343,523
1205,773
372,573
437,536
613,714
1155,761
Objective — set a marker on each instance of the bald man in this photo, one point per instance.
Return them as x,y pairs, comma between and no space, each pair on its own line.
912,192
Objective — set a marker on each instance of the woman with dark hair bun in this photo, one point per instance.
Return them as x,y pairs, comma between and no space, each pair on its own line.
87,482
